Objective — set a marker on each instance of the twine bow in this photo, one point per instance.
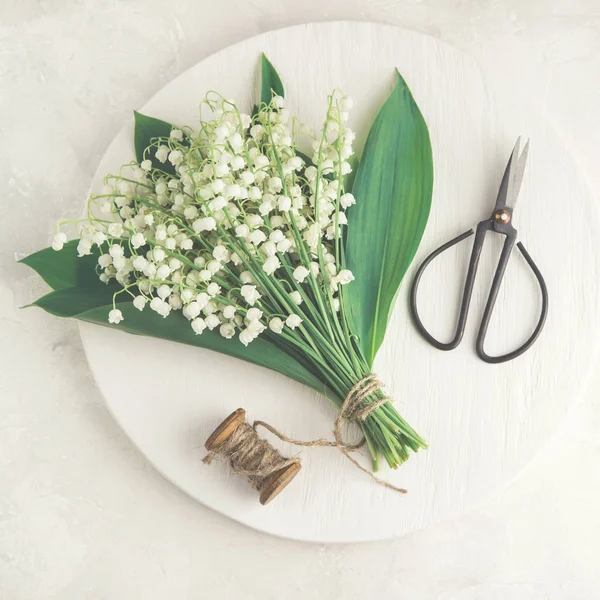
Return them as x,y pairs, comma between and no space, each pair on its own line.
353,409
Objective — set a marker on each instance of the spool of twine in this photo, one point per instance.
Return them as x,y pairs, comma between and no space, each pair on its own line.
268,471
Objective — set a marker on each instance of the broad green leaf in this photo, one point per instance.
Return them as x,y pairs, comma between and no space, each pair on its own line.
92,304
71,302
393,188
177,328
270,82
63,268
147,129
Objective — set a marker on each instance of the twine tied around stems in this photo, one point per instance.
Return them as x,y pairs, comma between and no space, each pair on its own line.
256,459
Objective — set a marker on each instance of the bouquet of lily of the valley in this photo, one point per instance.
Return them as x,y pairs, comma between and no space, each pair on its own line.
246,235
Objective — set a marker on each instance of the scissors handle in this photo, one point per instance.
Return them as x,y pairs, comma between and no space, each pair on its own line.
509,243
491,301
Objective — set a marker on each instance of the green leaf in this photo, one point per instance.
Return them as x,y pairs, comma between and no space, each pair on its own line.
176,328
393,188
270,82
63,268
93,305
71,302
146,130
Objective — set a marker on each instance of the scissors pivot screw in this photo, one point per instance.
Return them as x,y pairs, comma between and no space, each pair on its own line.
502,216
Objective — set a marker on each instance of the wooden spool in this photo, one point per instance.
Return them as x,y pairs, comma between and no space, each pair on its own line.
274,483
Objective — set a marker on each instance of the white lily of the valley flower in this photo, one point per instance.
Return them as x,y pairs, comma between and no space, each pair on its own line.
115,316
301,273
139,302
276,325
198,325
162,153
293,321
254,314
271,265
250,294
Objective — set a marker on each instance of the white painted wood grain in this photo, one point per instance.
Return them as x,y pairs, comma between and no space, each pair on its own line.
484,423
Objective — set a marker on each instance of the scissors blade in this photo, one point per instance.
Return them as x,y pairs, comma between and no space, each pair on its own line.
513,177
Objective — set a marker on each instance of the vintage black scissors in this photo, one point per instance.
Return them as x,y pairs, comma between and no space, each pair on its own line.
499,222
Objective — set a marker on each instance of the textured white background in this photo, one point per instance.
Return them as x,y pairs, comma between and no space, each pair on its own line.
82,515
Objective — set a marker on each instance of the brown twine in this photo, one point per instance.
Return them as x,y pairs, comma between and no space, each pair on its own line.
255,458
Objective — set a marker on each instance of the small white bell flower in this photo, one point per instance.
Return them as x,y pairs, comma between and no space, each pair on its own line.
296,297
139,302
174,264
271,265
214,266
254,221
261,161
276,236
257,237
345,276
212,321
175,158
198,325
247,177
253,314
139,263
269,248
250,294
221,253
246,277
162,153
176,134
175,301
221,169
293,321
227,330
190,212
300,273
276,325
146,165
204,224
217,186
158,254
190,311
246,337
265,208
104,260
284,203
255,193
84,248
202,300
237,163
229,312
115,230
213,289
115,316
242,230
284,245
138,240
164,291
187,295
163,272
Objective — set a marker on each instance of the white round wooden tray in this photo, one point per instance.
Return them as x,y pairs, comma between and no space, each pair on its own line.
484,423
